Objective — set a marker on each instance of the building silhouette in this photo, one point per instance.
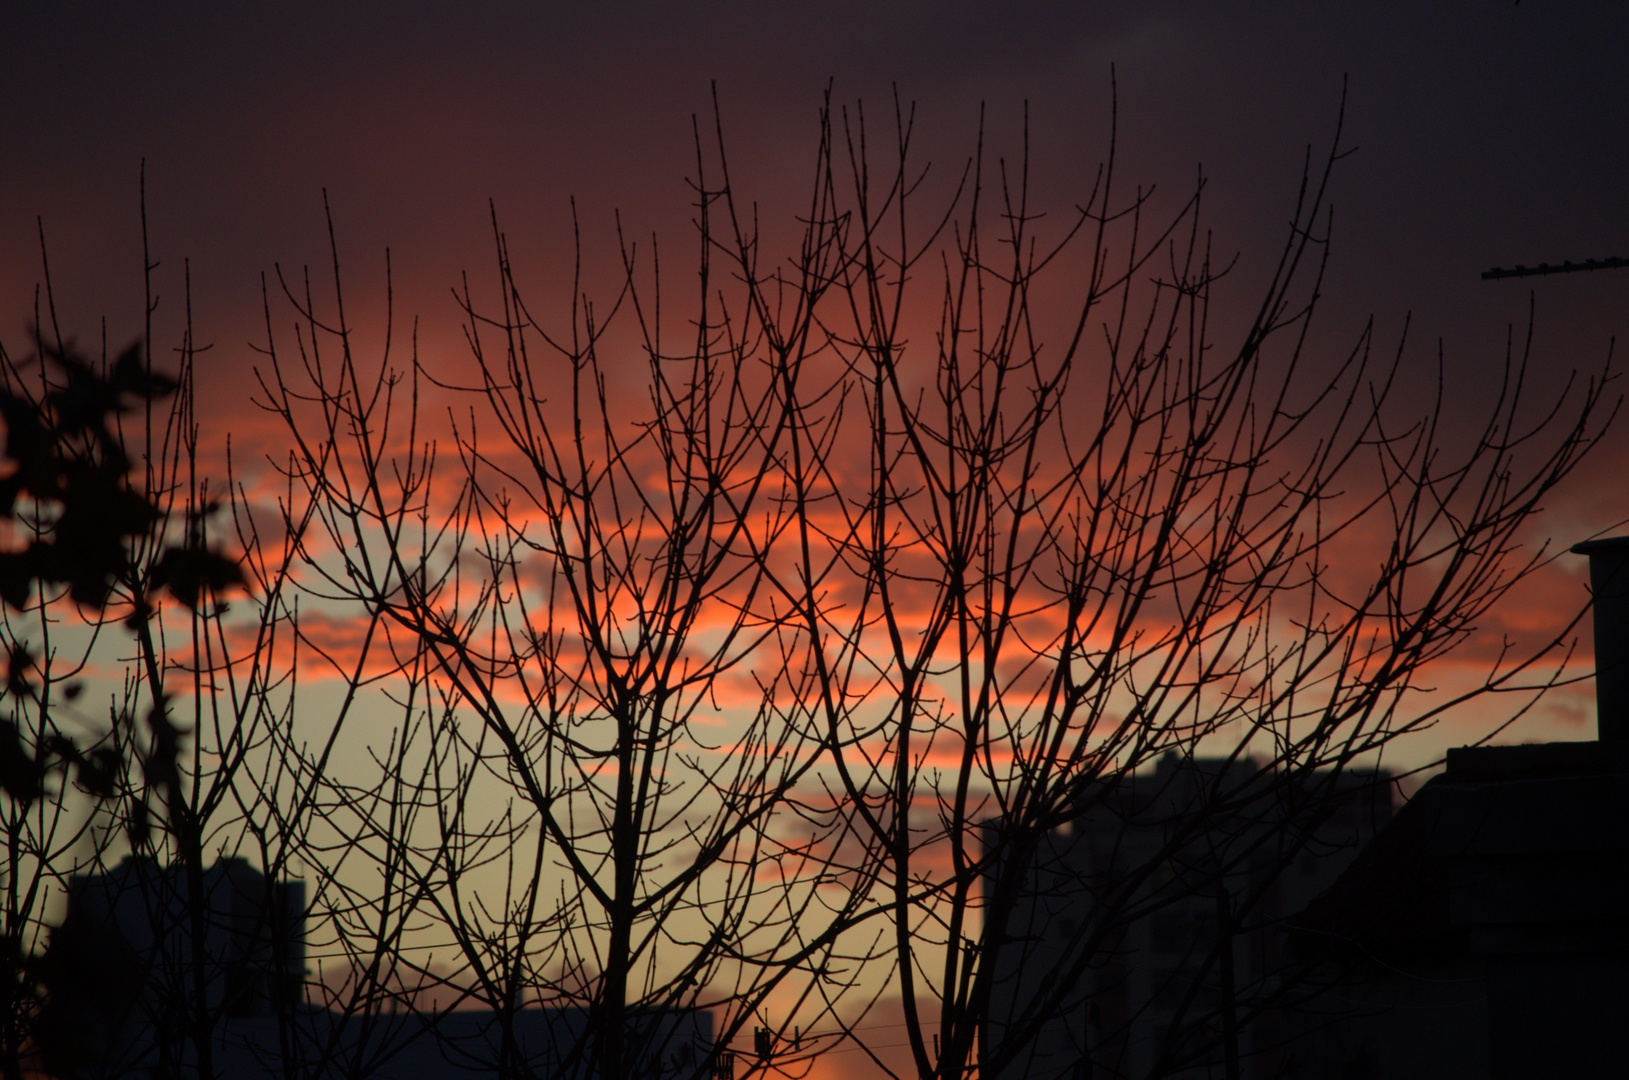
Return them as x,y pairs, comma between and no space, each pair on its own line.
1480,933
139,962
1484,932
1146,937
138,973
542,1042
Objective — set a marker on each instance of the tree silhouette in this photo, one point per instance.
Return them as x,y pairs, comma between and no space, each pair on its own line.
762,645
922,540
109,567
70,489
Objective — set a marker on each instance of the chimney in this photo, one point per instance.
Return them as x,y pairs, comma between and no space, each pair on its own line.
1609,589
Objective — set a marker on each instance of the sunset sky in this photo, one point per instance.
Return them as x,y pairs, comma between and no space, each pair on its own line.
1485,134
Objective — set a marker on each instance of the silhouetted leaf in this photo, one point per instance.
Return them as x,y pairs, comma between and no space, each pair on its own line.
191,573
137,827
130,376
17,668
98,772
19,773
84,399
16,578
10,488
26,437
140,611
99,501
88,585
162,763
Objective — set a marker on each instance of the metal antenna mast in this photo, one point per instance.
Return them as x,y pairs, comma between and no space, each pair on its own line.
1565,268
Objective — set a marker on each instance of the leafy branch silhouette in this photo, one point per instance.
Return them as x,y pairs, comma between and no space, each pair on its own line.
70,488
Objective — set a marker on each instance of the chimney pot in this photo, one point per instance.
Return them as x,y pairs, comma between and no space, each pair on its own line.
1609,591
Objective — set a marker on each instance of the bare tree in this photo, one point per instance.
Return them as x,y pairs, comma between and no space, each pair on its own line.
562,617
798,660
1087,536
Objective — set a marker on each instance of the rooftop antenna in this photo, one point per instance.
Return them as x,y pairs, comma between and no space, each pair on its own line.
1546,268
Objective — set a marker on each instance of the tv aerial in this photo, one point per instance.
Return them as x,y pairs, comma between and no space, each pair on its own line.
1551,268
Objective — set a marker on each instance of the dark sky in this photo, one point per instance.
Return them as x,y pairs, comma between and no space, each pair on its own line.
1487,134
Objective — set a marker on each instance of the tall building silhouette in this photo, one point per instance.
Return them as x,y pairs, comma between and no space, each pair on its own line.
138,973
1146,939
